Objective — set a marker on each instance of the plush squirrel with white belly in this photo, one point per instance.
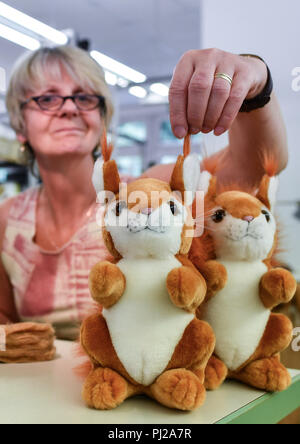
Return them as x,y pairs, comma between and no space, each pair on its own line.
147,340
240,240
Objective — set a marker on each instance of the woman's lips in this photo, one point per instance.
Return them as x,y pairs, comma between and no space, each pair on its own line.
69,130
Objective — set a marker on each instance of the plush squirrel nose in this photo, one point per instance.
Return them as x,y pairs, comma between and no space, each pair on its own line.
147,211
248,218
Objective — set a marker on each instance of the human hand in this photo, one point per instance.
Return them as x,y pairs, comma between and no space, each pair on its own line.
199,102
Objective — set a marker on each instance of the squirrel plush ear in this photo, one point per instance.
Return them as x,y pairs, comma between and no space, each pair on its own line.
106,175
267,192
208,179
186,174
208,184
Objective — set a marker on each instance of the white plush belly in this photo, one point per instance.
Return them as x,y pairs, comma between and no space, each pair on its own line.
145,326
237,314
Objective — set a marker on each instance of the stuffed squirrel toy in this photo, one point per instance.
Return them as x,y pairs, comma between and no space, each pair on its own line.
147,339
26,342
235,255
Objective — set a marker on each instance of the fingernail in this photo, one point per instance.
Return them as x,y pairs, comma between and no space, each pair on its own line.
194,130
219,130
180,132
205,129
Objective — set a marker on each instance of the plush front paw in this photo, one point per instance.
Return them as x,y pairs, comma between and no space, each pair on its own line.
186,288
216,277
107,284
277,286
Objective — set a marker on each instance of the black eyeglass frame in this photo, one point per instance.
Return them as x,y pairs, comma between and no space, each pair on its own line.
101,99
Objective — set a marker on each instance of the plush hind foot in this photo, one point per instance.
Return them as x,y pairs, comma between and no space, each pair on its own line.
104,389
266,374
215,373
180,389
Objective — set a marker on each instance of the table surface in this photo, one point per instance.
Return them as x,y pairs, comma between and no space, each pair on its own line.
50,393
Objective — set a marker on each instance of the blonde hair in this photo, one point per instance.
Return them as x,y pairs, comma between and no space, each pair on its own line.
31,71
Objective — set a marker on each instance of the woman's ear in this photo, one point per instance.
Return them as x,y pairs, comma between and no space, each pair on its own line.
21,138
267,192
185,177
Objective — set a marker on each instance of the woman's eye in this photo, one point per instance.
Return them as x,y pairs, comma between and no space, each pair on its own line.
120,207
219,216
267,215
173,208
48,99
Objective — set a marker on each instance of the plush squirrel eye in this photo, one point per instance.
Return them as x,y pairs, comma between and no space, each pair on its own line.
173,207
267,215
119,208
219,216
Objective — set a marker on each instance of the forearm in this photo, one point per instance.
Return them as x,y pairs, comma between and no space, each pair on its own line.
251,134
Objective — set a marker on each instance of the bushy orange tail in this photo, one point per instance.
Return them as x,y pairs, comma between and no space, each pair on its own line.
81,370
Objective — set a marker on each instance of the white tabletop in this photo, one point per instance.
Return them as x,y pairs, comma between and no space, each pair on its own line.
50,393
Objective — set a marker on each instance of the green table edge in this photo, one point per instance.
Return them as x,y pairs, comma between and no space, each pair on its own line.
269,408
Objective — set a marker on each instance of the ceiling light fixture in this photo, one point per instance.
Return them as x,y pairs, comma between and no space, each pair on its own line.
118,68
138,91
159,89
19,38
111,78
33,25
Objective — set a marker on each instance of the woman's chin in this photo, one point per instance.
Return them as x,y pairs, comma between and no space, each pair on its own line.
69,150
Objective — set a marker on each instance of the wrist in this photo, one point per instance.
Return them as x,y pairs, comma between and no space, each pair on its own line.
261,79
260,94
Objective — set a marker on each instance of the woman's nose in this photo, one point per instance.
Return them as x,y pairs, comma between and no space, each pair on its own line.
147,211
69,107
248,218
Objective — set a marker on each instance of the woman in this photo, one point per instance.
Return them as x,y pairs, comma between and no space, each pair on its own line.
48,236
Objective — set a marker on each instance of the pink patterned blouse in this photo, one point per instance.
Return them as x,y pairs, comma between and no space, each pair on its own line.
50,286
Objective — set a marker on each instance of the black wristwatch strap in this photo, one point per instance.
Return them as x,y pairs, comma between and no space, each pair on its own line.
264,97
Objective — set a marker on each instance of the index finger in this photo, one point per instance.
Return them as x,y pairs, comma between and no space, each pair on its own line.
178,96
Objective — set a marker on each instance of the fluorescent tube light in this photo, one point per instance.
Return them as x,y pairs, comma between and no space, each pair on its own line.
32,24
118,68
160,89
2,80
19,38
138,91
111,78
122,83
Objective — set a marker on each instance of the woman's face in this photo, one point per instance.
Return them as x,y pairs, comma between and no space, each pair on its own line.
64,132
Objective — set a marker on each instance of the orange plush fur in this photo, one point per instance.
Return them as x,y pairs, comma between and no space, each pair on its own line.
180,384
266,288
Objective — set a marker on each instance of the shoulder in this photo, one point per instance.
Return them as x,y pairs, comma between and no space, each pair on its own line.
161,172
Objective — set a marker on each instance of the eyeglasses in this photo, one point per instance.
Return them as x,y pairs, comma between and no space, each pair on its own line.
84,102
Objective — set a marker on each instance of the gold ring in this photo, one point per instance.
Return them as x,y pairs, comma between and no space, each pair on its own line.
222,75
